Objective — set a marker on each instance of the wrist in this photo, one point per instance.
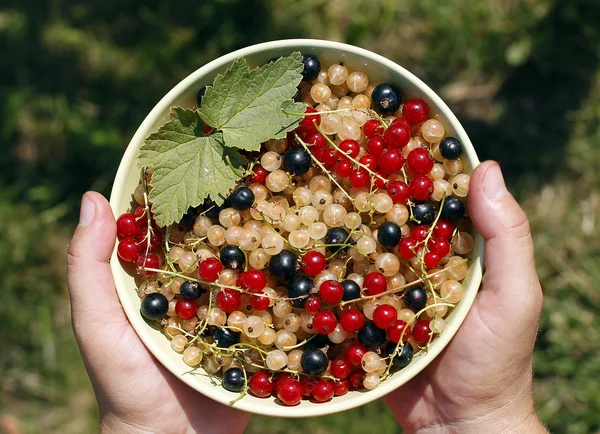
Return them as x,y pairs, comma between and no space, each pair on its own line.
110,424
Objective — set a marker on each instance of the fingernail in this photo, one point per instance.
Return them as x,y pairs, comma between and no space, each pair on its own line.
494,187
88,209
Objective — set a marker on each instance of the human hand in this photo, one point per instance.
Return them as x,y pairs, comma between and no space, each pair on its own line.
482,382
135,393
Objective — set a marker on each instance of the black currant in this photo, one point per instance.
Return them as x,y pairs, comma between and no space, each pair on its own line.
351,290
336,236
389,234
404,356
423,213
232,257
296,161
371,336
450,148
314,362
316,342
189,218
224,338
200,95
453,209
211,209
154,306
234,380
191,290
386,98
284,265
415,298
299,288
242,198
312,67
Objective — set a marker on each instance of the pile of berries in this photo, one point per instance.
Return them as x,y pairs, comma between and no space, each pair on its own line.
333,263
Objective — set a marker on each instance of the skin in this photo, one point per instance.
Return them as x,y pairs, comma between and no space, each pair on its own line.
480,383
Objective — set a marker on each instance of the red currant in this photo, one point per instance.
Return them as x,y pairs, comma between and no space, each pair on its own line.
355,353
398,191
378,181
254,281
376,145
443,229
315,140
352,320
384,316
420,161
313,263
312,304
306,124
128,225
151,260
369,160
359,178
390,161
356,378
441,246
186,309
209,269
308,384
344,168
324,322
327,156
395,331
229,300
407,248
341,387
421,332
397,136
259,303
341,367
331,291
374,283
128,249
403,122
415,110
372,127
260,174
419,233
155,238
260,384
280,378
432,259
207,128
349,147
290,391
323,390
421,187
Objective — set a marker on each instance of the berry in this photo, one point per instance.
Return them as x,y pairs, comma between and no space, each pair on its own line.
232,257
374,283
324,322
128,249
242,198
260,384
260,174
356,378
377,182
331,291
352,320
341,367
349,147
415,111
390,161
371,336
443,229
403,122
313,263
415,298
280,378
386,98
453,209
315,140
423,213
359,178
420,161
369,160
299,288
155,238
259,303
389,235
404,355
290,391
254,281
224,338
397,136
419,233
355,353
296,161
323,390
334,237
128,226
395,331
421,187
376,145
200,95
283,265
341,387
312,304
327,156
229,300
432,259
421,332
373,127
450,148
398,191
308,384
317,342
233,380
384,316
351,290
440,246
314,362
306,124
407,248
191,290
186,309
154,306
209,269
151,260
312,67
344,168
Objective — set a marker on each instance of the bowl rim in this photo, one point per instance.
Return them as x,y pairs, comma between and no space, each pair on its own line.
143,330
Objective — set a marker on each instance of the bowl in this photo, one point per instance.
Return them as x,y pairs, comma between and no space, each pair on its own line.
379,69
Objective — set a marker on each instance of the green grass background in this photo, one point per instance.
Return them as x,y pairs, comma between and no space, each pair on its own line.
77,78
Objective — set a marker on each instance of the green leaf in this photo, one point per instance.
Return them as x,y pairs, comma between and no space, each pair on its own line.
246,104
189,167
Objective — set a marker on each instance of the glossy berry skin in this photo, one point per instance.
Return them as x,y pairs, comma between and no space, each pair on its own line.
371,336
260,174
308,384
443,229
315,140
415,298
306,125
432,259
407,248
312,304
319,341
314,362
369,160
155,238
299,288
280,378
355,353
323,390
313,263
232,257
420,161
421,332
259,303
312,67
128,226
254,281
398,191
233,380
450,148
415,111
260,384
453,209
349,147
224,338
209,269
374,283
128,249
200,95
404,355
421,187
359,178
341,367
344,168
331,291
324,322
341,387
356,378
423,213
351,290
283,265
186,309
352,320
151,260
396,330
390,161
384,316
229,300
389,234
242,198
373,127
376,145
154,306
386,98
290,391
336,236
327,156
440,246
296,161
419,233
397,136
191,290
402,121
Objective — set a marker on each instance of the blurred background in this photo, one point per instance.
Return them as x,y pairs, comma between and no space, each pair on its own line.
78,77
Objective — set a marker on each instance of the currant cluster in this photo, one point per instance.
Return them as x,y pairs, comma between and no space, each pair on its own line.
333,263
